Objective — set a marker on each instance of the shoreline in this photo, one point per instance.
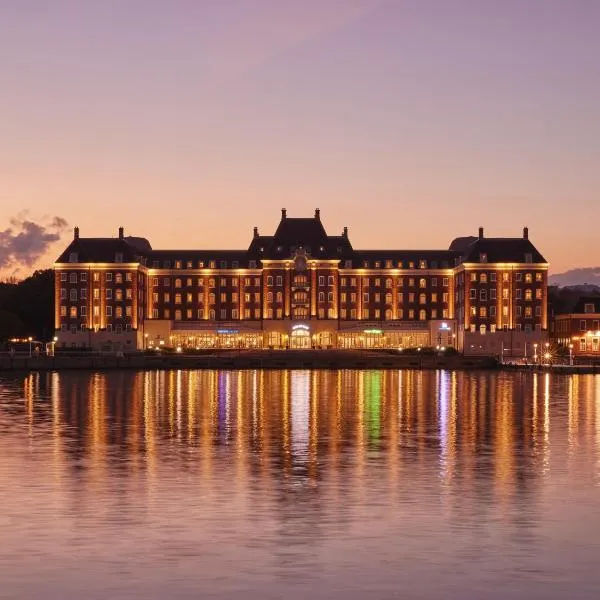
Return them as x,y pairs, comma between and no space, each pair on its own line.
265,359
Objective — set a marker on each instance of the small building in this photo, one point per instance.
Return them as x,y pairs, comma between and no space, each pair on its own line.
579,329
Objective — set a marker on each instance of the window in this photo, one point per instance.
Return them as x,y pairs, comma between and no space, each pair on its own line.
223,297
73,278
223,314
538,294
528,295
588,307
422,282
388,283
492,311
118,278
178,283
492,276
483,312
528,277
518,276
269,296
73,257
493,294
473,276
118,257
167,297
109,311
252,264
109,294
63,293
279,297
73,312
365,296
388,298
504,276
234,313
505,293
177,298
422,315
538,276
118,312
279,280
321,280
483,294
473,292
528,312
222,264
528,257
422,299
83,293
482,329
270,280
119,294
483,278
582,325
330,296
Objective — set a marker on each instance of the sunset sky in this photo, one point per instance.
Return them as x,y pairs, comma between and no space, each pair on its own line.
410,121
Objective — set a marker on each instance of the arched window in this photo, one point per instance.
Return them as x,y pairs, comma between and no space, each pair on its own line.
388,298
483,278
388,314
279,297
422,299
211,298
211,282
422,282
422,315
269,296
119,278
482,329
211,314
388,283
178,283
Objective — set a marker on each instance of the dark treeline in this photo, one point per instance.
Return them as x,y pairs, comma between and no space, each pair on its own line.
27,307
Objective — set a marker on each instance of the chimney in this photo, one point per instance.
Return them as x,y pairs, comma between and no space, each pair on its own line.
345,233
525,233
121,233
283,213
255,232
317,214
481,233
76,233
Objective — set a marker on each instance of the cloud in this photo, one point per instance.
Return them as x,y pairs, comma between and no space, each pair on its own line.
25,241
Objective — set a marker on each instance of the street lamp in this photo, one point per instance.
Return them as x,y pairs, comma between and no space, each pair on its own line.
535,346
30,340
571,354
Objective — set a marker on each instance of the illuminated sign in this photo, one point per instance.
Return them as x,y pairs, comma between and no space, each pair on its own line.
300,326
445,326
373,331
228,331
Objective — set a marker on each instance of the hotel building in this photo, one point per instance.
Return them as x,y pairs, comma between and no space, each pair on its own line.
302,288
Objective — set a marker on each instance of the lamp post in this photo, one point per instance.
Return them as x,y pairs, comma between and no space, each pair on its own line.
30,340
535,353
571,355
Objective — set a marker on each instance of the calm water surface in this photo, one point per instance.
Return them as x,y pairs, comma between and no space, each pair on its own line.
299,484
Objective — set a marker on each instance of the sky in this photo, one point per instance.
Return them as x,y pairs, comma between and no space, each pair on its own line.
409,121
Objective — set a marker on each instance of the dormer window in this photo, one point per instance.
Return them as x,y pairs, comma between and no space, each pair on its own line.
118,257
155,264
588,307
528,257
212,264
366,264
235,264
167,264
482,257
73,257
178,264
223,264
201,264
348,264
252,264
422,264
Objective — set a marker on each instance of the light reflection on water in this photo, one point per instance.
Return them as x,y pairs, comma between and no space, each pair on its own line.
321,484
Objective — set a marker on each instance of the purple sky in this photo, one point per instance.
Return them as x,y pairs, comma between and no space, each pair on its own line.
412,122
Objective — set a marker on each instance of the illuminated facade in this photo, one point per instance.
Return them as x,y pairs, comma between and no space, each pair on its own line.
301,288
579,330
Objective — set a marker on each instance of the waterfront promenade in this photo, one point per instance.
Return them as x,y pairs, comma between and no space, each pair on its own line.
249,359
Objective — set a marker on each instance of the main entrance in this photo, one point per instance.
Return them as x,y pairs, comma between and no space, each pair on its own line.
300,337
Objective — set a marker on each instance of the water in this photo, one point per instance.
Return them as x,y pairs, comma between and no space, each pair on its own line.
299,484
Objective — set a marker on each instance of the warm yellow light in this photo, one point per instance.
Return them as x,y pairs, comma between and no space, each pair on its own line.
547,355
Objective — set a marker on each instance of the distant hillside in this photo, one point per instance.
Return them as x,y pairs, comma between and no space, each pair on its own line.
588,276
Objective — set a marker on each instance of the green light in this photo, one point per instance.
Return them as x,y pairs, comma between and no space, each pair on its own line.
373,331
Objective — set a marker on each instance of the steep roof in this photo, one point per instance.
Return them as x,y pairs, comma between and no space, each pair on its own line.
580,305
100,250
501,250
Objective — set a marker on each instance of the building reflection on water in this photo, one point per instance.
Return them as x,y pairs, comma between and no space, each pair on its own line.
487,428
